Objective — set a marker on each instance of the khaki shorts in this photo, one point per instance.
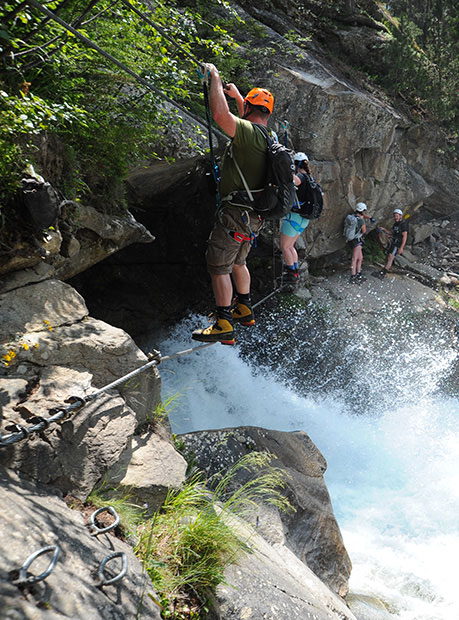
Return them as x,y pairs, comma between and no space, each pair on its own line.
223,251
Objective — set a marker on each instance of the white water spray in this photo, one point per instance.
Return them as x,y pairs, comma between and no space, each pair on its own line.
393,475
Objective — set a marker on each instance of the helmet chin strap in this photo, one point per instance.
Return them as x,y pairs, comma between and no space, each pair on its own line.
247,110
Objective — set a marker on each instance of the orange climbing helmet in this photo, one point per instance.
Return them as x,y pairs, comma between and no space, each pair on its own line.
261,97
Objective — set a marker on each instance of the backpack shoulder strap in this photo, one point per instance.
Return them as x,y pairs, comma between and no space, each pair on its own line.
244,182
269,140
265,133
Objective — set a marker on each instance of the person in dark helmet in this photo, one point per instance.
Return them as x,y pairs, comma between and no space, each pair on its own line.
294,224
399,235
236,226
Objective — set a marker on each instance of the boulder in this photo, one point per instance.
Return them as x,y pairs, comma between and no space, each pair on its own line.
39,306
148,468
425,272
17,279
52,352
74,454
33,518
271,582
368,607
421,232
89,236
83,237
311,532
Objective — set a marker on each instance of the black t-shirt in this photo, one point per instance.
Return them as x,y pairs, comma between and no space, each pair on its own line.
301,189
397,232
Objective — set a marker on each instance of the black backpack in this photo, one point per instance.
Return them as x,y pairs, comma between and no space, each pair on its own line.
277,196
310,197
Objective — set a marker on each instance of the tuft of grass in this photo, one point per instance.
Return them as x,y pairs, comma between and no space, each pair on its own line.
187,546
162,410
131,515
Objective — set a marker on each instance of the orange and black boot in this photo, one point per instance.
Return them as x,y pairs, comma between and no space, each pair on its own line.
221,331
242,312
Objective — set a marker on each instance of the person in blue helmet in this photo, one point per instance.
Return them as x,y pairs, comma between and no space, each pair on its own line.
294,224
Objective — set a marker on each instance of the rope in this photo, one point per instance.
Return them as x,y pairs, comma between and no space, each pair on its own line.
213,161
279,288
63,413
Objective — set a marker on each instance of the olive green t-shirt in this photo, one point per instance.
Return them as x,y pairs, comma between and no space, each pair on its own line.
249,150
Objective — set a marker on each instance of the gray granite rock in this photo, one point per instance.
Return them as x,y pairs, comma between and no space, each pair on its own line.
148,468
311,532
31,517
272,583
55,352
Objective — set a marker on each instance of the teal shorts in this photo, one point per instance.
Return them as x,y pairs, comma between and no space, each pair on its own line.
294,224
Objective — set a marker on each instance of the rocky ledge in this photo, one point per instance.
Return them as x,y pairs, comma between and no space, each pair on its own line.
53,352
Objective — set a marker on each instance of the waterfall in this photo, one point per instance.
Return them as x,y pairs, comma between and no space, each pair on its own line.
386,426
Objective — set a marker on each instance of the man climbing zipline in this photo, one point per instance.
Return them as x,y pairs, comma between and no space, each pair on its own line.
236,227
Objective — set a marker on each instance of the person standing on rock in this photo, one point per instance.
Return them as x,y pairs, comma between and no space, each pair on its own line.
399,235
236,227
354,229
294,224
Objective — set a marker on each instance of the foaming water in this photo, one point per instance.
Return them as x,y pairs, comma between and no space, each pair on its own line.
393,473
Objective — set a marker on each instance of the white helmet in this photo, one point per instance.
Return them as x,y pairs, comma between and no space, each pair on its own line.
299,157
360,207
399,211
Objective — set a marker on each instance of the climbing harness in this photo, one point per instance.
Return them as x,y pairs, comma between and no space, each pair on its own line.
23,579
238,236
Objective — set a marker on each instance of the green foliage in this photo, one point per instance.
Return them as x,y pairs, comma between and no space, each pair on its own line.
53,82
422,57
22,117
296,38
372,251
186,547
